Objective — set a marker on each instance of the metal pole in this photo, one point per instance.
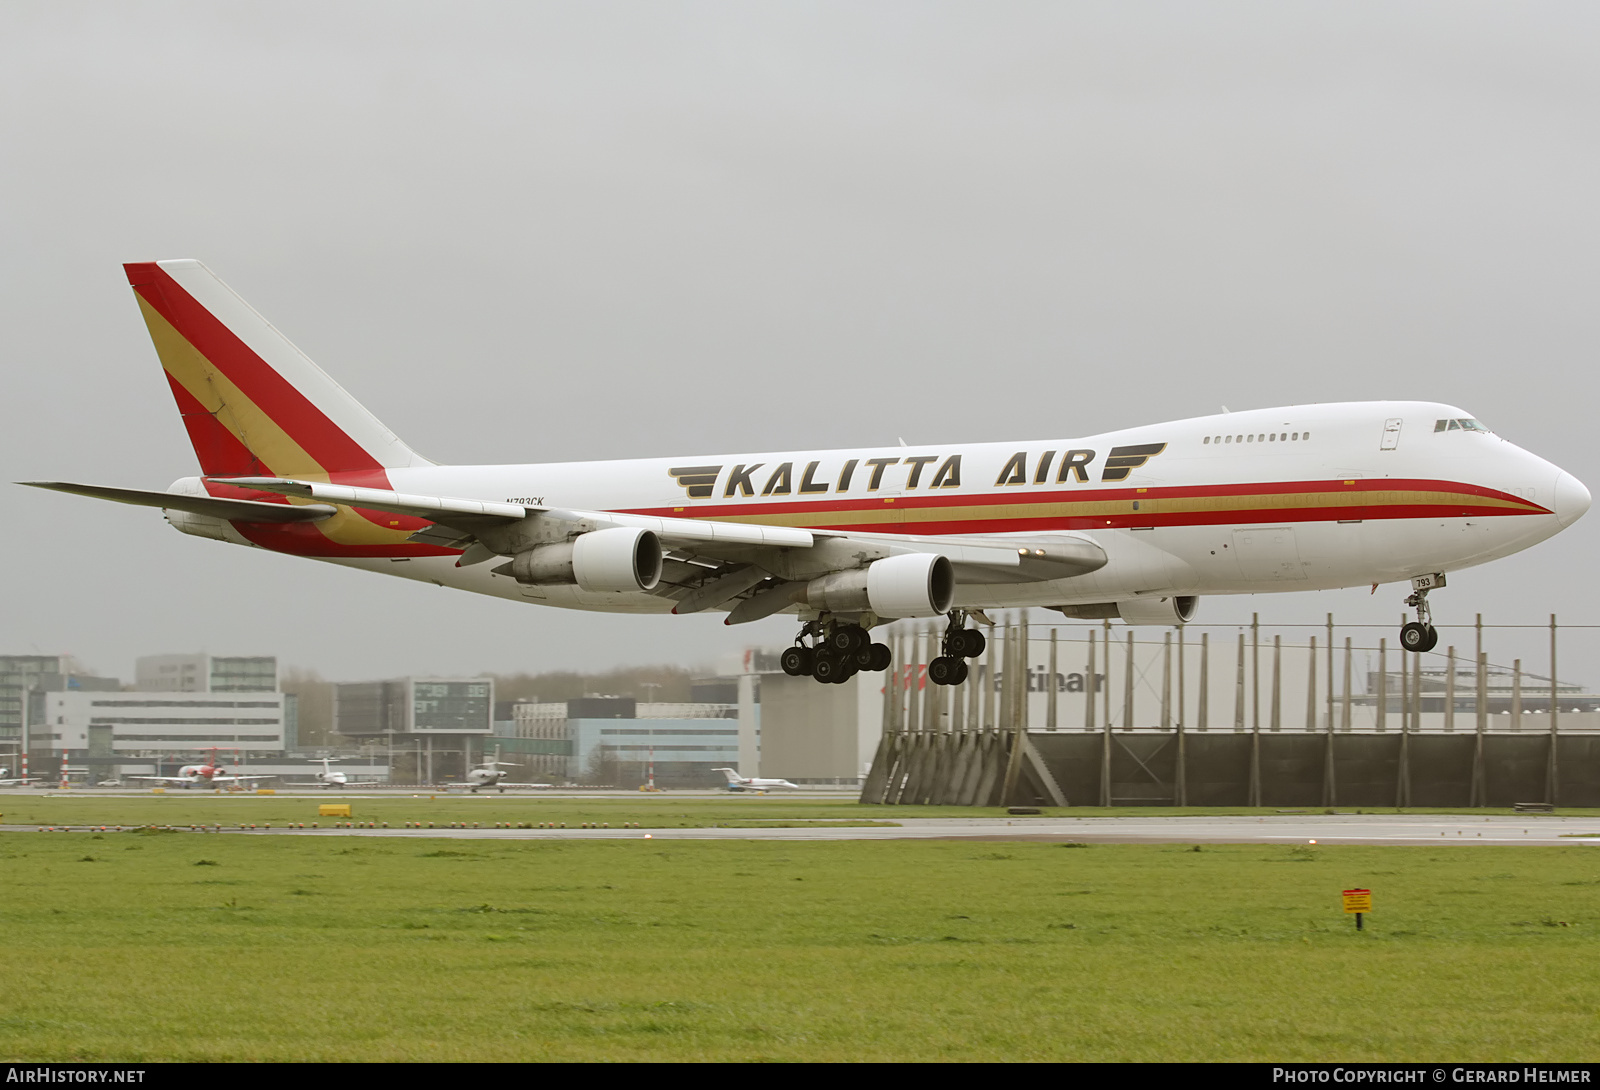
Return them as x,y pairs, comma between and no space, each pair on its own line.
1166,680
1311,690
1344,717
1450,690
1479,786
1478,661
1255,757
1205,681
1127,687
1553,772
1107,702
1238,689
1050,687
891,689
1105,734
1181,786
1416,693
1255,672
1024,673
1277,681
975,696
1007,682
990,689
1181,702
1483,692
1089,687
914,684
1383,684
1516,694
1330,668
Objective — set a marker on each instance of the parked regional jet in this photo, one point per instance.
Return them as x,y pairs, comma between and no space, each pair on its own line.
1134,524
737,782
209,773
19,782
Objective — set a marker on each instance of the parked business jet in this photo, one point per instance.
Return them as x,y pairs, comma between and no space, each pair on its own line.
336,780
738,783
1134,524
490,774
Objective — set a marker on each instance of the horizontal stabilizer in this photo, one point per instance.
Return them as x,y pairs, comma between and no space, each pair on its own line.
434,508
229,510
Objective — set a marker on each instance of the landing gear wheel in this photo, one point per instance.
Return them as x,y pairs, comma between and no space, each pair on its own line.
961,642
847,638
828,670
942,670
1418,637
797,661
881,657
972,643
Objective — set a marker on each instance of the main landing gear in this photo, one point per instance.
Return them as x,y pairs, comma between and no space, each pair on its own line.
1420,635
837,652
960,643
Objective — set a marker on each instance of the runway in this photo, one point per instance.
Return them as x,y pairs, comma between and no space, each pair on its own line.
1416,830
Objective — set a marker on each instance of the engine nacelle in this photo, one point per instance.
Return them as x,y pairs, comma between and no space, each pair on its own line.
620,558
1176,609
909,585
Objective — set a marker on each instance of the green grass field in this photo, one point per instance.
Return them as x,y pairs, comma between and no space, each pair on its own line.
34,808
179,946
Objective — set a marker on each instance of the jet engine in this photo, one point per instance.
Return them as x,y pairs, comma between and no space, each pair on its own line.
1165,611
620,558
909,585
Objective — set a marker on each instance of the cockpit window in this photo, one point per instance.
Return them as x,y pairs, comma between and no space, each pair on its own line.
1460,425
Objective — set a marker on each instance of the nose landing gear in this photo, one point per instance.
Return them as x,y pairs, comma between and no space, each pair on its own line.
1420,635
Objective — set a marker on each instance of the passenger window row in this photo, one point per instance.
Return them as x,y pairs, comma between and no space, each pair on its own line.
1266,437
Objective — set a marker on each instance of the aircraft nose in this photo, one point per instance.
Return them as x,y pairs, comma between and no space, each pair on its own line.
1571,500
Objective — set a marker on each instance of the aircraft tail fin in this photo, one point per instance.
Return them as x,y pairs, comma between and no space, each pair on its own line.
252,402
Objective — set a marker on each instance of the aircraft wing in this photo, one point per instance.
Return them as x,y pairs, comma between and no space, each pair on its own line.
709,563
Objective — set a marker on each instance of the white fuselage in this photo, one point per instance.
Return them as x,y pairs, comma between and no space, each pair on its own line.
1339,495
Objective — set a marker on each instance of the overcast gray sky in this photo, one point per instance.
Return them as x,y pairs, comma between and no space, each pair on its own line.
537,232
